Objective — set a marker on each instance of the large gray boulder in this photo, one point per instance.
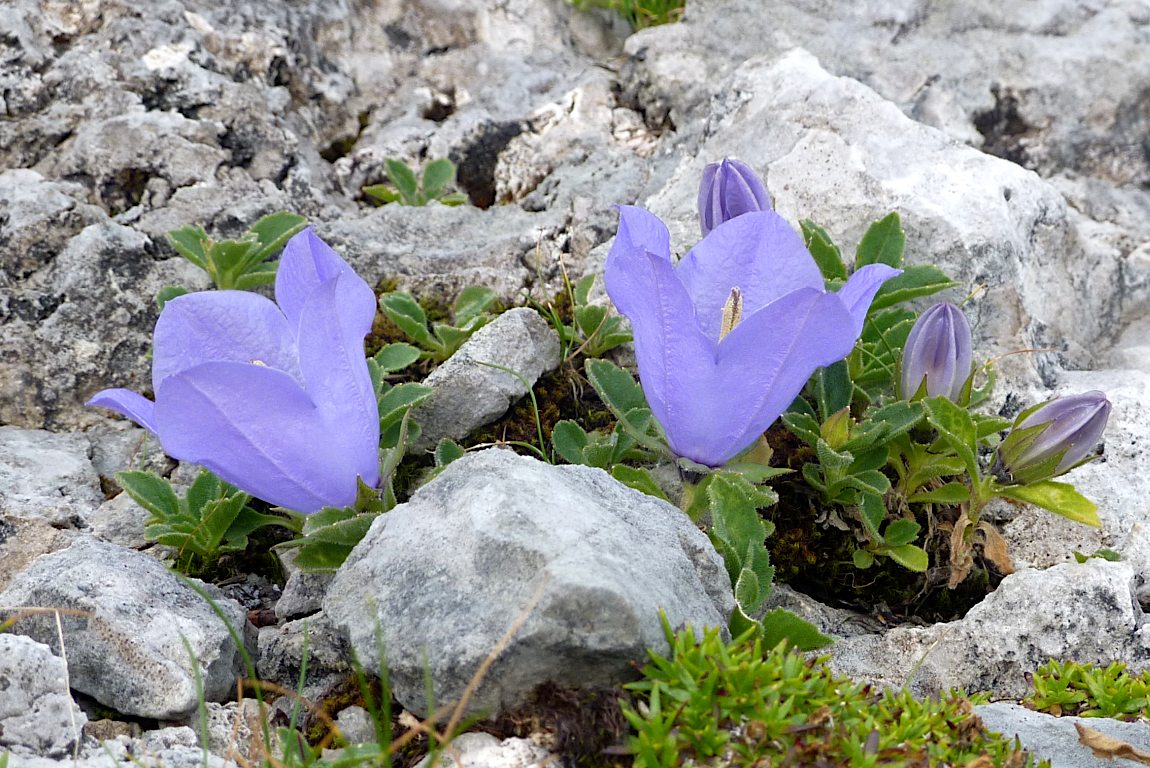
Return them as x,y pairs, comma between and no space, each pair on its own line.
48,476
579,563
137,638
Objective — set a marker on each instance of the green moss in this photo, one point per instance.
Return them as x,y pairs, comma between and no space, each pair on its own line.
812,553
711,702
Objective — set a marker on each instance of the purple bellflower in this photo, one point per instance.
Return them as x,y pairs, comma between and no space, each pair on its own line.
1052,438
938,354
729,189
726,339
275,398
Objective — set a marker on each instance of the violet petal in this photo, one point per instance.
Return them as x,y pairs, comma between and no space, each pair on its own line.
757,252
256,428
128,403
214,326
306,263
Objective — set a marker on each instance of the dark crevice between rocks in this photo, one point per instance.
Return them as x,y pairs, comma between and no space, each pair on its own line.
475,161
1003,130
343,146
442,105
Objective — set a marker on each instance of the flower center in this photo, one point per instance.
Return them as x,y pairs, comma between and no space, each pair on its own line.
732,312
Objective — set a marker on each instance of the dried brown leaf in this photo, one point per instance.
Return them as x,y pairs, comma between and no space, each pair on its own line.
1105,746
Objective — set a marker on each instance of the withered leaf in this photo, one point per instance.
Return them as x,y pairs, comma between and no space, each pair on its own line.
1105,746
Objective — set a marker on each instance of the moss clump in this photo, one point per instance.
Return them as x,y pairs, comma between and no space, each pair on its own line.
711,702
812,552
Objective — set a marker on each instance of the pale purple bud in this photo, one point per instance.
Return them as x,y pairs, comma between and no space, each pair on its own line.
729,189
938,350
1052,438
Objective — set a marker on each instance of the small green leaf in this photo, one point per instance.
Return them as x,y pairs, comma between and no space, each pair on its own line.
862,559
382,193
447,451
951,493
274,230
215,519
872,512
396,357
403,310
230,259
747,588
582,290
833,389
900,532
780,624
1059,498
569,440
261,274
956,428
455,198
617,389
803,426
205,488
639,479
399,399
151,492
910,557
472,302
191,242
167,293
404,180
916,280
589,318
883,243
826,253
325,549
436,176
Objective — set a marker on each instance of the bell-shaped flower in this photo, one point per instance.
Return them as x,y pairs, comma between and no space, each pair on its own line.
726,338
1052,438
275,398
938,357
729,189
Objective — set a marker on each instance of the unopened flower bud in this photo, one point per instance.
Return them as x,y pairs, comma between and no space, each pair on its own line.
1052,438
729,189
937,357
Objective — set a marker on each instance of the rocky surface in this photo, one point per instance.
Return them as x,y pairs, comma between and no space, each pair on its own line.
37,713
1055,738
575,563
470,391
1081,612
138,639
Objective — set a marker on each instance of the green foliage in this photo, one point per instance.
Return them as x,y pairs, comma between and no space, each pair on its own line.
439,341
744,703
1084,690
212,518
640,14
235,264
408,189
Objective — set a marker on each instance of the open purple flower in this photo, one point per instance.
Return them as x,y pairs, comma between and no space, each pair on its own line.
275,398
727,338
728,189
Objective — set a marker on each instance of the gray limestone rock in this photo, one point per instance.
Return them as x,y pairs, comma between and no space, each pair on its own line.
303,592
47,475
469,392
1082,612
482,750
23,539
824,145
579,563
132,630
37,714
285,649
1055,738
